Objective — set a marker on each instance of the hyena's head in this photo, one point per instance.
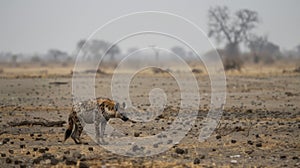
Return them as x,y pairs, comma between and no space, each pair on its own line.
118,110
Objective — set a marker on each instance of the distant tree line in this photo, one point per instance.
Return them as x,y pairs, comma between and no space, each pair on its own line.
231,29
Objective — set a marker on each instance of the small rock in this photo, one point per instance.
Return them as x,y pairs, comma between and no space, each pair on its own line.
77,155
235,156
179,151
5,140
11,151
233,141
196,161
17,162
249,111
37,160
3,155
83,165
45,157
218,137
40,139
135,148
35,149
136,134
54,161
42,150
22,146
249,152
90,149
47,161
155,145
250,142
233,161
282,157
169,141
8,160
66,152
258,145
70,161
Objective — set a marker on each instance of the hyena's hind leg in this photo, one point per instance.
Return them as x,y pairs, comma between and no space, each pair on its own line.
77,131
102,131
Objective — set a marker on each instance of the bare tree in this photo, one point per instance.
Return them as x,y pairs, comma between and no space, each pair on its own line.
233,29
298,50
179,51
14,58
263,49
114,50
156,51
256,45
35,59
80,44
97,47
56,54
92,48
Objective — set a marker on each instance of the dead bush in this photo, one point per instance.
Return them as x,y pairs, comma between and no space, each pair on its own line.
297,70
197,71
232,64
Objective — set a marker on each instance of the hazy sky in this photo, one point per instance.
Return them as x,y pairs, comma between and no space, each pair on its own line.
37,25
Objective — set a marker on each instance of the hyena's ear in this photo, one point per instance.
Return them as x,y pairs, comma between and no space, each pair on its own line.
116,107
124,105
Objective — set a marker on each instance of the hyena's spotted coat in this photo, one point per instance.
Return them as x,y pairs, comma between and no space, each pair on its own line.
96,111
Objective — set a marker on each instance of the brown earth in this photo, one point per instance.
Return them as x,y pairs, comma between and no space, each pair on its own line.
260,125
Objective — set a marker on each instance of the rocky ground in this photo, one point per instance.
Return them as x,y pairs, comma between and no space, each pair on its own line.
260,125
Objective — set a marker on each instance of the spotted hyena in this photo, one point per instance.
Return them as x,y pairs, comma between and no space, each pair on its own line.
95,111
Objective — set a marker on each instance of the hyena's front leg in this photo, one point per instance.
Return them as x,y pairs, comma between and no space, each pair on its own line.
100,119
103,125
97,129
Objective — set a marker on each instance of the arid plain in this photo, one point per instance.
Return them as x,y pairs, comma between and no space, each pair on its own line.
259,126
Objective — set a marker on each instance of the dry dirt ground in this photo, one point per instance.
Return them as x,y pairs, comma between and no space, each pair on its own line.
260,126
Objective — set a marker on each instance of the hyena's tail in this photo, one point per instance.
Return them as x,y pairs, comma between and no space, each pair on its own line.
70,127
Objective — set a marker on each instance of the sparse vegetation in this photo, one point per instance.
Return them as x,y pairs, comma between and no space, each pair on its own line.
234,29
259,124
197,71
158,70
297,69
